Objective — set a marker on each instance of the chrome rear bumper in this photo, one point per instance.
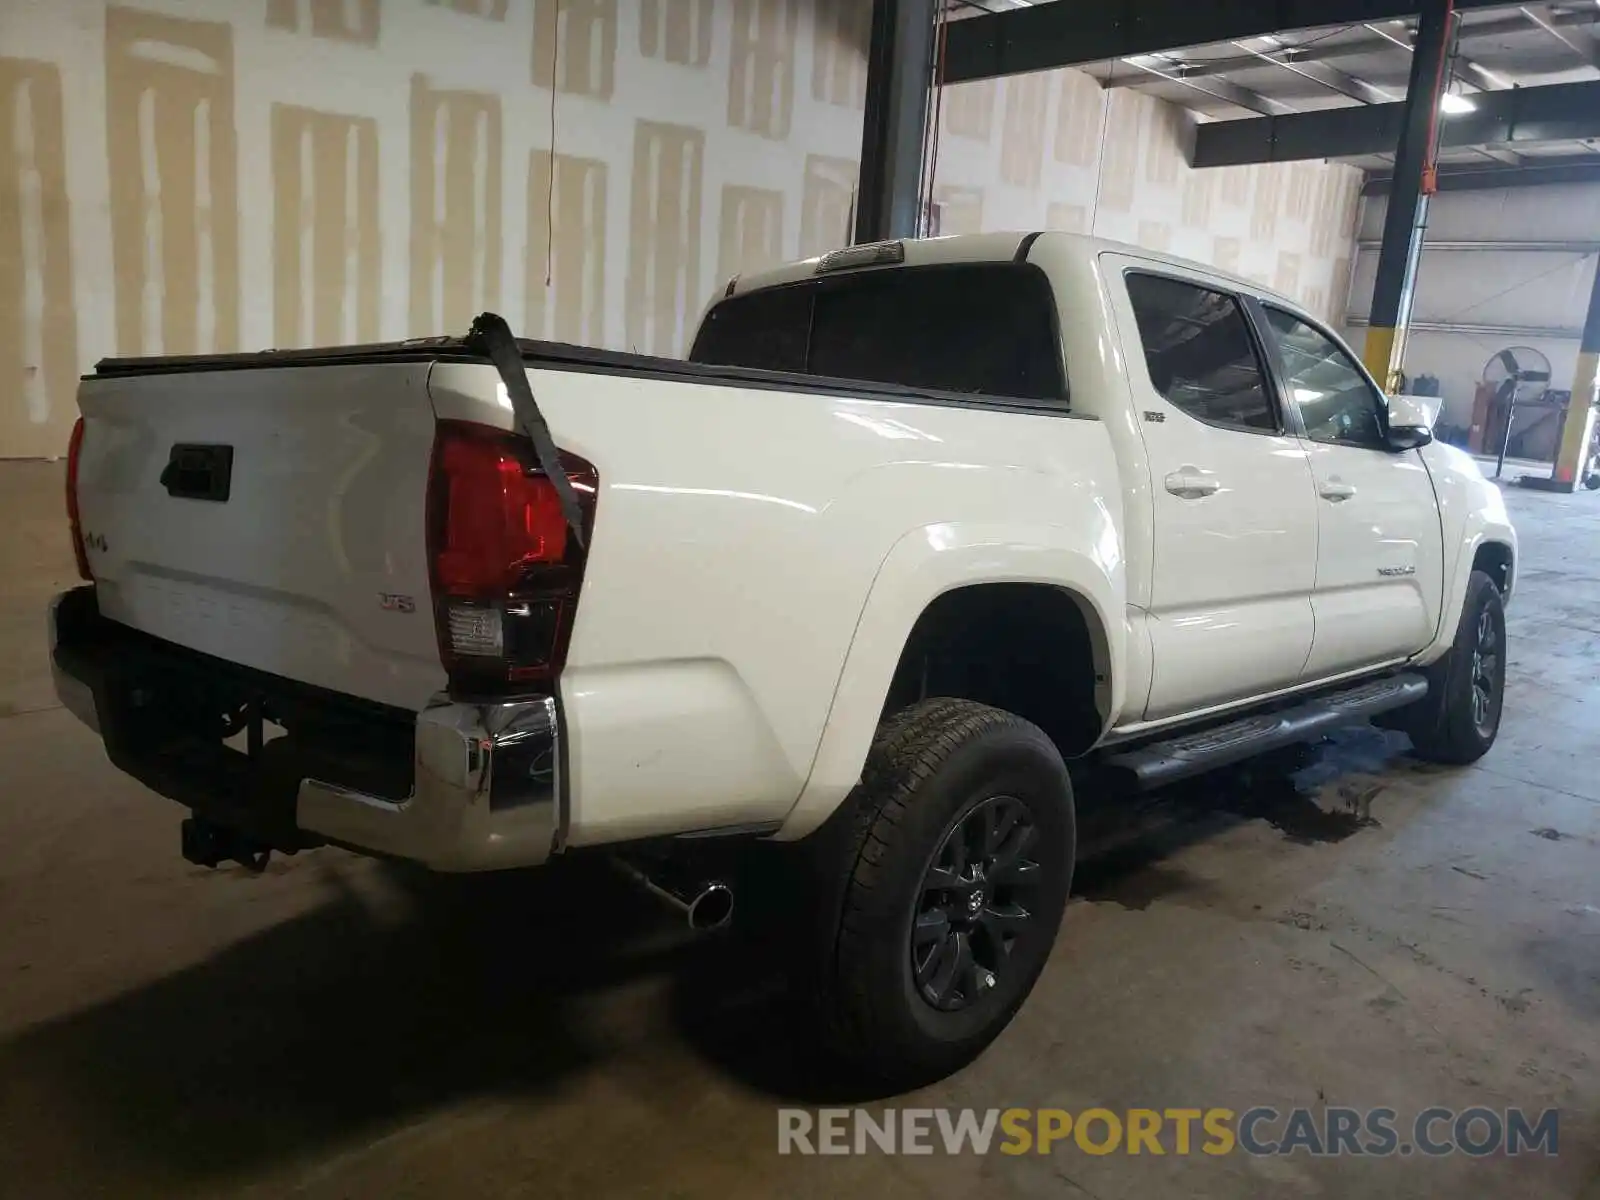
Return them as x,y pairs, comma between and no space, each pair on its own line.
487,786
487,794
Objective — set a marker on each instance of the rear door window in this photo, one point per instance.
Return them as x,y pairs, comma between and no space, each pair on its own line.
983,329
1199,353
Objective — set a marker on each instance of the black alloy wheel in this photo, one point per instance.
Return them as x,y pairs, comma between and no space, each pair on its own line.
1486,675
977,898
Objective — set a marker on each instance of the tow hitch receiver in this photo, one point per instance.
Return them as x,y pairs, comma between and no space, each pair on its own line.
207,844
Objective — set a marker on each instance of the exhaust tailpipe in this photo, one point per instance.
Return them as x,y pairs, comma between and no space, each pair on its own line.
706,904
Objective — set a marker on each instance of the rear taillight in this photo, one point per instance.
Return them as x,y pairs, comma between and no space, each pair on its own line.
505,566
74,451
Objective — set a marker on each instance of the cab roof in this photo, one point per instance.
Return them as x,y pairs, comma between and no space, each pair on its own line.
991,247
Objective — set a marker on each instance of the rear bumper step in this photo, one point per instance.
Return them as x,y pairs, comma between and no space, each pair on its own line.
1158,763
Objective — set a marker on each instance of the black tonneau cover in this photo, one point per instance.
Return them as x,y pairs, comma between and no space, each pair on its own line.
412,350
564,356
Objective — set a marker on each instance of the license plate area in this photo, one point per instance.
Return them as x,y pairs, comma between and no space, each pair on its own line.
171,738
235,744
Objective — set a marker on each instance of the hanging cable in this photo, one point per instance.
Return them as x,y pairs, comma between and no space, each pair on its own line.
925,196
1100,157
550,178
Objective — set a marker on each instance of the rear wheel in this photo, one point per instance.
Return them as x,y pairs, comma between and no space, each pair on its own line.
1458,720
958,872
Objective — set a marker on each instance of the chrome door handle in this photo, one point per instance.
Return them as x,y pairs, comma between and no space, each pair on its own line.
1190,483
1336,491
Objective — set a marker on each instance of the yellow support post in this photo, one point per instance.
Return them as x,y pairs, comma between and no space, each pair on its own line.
1572,455
1575,434
1378,353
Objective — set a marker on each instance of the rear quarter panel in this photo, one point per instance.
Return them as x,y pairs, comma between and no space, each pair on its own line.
759,557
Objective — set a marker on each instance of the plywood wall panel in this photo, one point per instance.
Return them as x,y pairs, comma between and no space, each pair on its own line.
219,175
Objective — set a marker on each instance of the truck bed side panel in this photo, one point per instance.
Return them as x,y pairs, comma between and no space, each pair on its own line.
739,532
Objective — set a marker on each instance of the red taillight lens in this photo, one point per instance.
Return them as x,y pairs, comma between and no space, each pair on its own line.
74,451
506,569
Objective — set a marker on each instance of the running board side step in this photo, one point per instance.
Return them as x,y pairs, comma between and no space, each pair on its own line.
1158,763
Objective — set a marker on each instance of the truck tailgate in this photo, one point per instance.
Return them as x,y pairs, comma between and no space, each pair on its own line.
314,566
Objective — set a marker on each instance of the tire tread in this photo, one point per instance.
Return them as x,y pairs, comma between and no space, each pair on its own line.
1441,726
910,748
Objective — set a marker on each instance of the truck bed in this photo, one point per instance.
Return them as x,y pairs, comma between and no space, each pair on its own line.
741,516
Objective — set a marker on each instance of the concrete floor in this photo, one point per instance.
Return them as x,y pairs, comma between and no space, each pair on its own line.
1370,932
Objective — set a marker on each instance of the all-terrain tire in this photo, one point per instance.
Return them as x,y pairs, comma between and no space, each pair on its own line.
941,778
1458,720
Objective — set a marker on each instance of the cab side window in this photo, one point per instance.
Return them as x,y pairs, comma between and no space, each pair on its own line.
1199,352
1337,403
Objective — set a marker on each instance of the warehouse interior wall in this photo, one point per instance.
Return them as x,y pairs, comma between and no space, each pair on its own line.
1055,150
187,176
1488,291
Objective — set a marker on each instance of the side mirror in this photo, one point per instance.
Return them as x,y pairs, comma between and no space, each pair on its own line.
1411,421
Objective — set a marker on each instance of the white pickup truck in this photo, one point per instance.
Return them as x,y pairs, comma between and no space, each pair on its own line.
914,526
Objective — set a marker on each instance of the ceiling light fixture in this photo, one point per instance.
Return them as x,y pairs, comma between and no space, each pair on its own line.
1450,104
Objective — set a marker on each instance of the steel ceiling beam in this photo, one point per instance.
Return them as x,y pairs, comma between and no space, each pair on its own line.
1478,76
1516,23
1251,59
1321,52
1401,39
1556,112
1331,78
1534,172
1579,41
1217,89
1066,33
1504,157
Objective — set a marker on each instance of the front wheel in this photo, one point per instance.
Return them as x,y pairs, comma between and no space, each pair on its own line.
1458,720
958,873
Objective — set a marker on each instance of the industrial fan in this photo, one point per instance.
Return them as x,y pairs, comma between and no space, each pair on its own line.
1517,375
1520,374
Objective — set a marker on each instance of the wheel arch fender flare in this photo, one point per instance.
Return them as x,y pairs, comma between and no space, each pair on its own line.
1472,513
1478,529
1085,563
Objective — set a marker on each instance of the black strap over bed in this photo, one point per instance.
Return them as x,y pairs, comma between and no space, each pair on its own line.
491,336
